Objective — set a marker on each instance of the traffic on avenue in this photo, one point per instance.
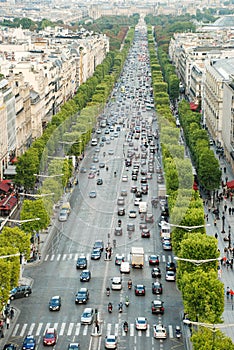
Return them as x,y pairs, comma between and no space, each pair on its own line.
106,278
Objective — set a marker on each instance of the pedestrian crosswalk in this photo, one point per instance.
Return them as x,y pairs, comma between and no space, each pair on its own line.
74,257
77,329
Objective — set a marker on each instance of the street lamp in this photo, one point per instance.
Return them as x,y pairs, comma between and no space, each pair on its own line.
223,223
56,175
36,195
197,262
16,221
190,228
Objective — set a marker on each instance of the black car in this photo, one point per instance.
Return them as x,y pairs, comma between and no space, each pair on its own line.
157,307
29,343
99,181
96,254
81,263
171,266
20,292
85,276
10,346
121,211
73,346
156,272
55,303
157,288
82,296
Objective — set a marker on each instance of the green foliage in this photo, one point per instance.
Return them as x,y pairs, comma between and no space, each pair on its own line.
26,166
32,209
15,238
210,339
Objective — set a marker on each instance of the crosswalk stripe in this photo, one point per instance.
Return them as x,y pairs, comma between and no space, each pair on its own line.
15,330
71,325
56,325
58,257
23,329
46,327
77,332
76,256
146,257
85,331
169,258
139,333
163,258
31,329
62,328
170,331
46,257
39,328
52,257
116,329
64,256
108,330
132,328
148,331
70,256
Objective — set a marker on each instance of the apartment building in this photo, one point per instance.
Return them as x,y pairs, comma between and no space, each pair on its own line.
40,74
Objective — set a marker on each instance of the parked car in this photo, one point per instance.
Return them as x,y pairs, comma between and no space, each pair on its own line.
121,211
20,292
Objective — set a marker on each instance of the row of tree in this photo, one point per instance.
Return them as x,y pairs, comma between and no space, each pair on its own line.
202,291
72,127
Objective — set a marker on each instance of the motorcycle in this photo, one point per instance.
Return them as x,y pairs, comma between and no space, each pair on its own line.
120,307
110,308
127,302
178,332
129,284
119,223
125,327
107,291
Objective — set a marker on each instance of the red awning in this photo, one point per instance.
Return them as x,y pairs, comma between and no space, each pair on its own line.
8,203
193,106
4,187
230,184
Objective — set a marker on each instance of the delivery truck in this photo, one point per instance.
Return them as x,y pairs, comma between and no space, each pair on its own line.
137,257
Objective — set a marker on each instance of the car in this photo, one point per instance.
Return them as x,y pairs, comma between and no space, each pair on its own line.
29,343
111,341
96,254
125,267
140,289
107,131
145,233
83,170
170,276
134,177
92,194
116,134
171,266
91,175
102,165
85,276
137,201
111,152
130,227
73,346
81,262
160,179
20,292
157,307
156,272
159,331
154,260
50,337
99,244
144,189
10,346
87,316
82,296
99,181
121,201
121,211
124,193
133,189
55,303
125,178
95,159
157,287
116,283
166,244
141,323
119,259
118,231
63,215
132,214
149,218
144,180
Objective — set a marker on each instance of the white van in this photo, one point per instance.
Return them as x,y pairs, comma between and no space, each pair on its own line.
94,142
142,207
125,267
116,283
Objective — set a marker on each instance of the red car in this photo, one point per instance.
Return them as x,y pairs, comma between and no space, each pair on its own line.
50,337
154,260
140,289
145,233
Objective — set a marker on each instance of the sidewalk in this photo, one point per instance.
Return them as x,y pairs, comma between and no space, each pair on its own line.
226,248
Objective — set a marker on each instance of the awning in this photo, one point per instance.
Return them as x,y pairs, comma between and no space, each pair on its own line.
8,203
10,170
230,184
4,187
193,106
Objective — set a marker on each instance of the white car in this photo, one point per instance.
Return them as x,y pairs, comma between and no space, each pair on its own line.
125,178
170,276
125,267
111,342
141,323
63,215
160,331
87,316
116,283
132,214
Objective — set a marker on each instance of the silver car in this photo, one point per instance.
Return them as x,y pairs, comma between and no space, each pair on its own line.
87,316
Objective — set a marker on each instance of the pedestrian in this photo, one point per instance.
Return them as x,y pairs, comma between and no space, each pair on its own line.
12,313
221,261
7,322
229,210
228,292
207,217
224,170
227,264
226,179
215,222
232,210
224,260
216,235
225,207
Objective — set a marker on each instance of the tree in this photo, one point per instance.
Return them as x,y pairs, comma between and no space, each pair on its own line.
16,239
209,173
210,339
26,166
32,209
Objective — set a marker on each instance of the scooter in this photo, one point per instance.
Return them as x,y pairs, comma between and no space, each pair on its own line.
119,223
129,284
178,332
120,307
125,327
127,302
107,291
110,308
